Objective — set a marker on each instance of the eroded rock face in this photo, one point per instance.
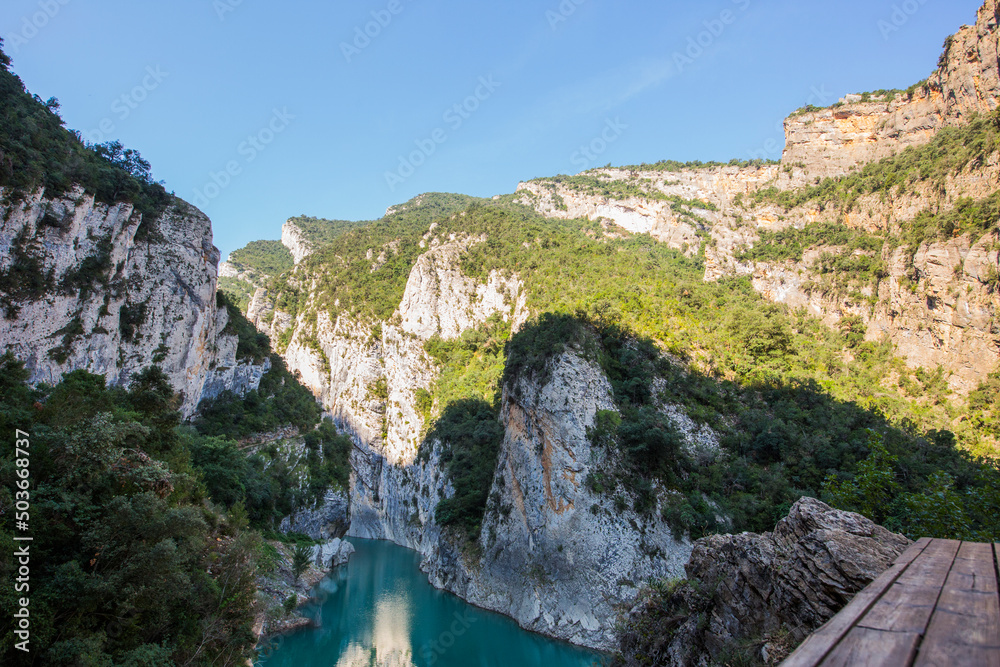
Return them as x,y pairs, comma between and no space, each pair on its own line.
296,242
831,141
440,300
557,556
554,555
327,519
120,296
753,588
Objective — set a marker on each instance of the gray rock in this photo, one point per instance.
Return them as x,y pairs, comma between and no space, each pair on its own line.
159,306
327,519
333,554
763,590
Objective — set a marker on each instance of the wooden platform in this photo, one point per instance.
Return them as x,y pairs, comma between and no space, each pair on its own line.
937,605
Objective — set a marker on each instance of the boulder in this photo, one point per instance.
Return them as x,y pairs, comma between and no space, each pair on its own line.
332,554
762,594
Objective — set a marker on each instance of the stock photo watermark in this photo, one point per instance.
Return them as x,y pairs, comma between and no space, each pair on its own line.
32,24
714,29
587,154
455,117
363,35
123,106
562,13
224,7
432,651
248,150
774,147
900,16
22,552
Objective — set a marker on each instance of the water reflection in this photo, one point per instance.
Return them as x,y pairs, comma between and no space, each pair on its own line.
380,611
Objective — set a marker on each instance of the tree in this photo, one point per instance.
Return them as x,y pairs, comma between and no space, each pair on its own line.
874,486
301,559
127,159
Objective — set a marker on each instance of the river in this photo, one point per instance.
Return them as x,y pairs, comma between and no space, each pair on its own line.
380,611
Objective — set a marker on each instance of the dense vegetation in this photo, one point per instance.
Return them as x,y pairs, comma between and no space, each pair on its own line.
36,150
279,401
238,292
320,231
463,409
794,400
269,258
131,564
371,287
152,528
952,150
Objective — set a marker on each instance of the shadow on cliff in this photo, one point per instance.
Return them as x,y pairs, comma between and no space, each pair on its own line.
781,438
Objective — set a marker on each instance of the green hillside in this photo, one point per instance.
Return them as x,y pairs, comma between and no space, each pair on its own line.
800,406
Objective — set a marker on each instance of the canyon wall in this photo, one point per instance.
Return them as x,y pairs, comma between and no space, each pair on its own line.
113,294
548,541
831,141
938,304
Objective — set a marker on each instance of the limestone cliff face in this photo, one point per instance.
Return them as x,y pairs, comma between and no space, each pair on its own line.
831,141
440,300
716,187
557,556
120,294
553,554
939,305
296,242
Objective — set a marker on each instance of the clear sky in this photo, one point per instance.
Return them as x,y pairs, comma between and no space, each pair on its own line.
257,111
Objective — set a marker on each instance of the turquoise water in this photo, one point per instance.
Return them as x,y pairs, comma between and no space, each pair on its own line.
379,611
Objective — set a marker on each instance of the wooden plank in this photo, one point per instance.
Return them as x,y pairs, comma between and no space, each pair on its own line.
902,608
965,626
819,644
908,604
864,647
931,567
973,569
913,551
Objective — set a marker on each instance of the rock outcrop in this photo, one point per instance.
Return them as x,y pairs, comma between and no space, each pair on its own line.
441,300
296,242
553,554
332,554
120,293
830,141
327,519
767,592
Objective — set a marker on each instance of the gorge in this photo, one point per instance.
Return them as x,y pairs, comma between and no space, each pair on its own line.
581,404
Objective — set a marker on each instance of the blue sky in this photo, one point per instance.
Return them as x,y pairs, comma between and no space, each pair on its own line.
257,111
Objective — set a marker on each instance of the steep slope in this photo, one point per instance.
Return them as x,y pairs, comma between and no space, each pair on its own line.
863,129
100,268
117,295
863,218
556,391
598,452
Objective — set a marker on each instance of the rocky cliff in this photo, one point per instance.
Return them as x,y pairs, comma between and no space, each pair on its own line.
114,293
765,593
296,242
553,554
935,299
830,141
548,540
